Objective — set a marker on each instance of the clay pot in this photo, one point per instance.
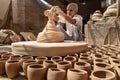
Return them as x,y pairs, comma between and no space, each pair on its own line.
83,65
40,59
36,72
64,65
84,55
103,66
77,74
2,66
56,74
70,59
86,59
100,60
49,64
15,57
6,55
25,65
56,59
103,75
73,55
115,63
12,68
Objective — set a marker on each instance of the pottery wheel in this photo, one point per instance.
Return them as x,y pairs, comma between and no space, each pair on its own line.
48,49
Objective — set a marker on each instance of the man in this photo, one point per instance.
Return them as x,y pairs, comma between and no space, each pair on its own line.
72,20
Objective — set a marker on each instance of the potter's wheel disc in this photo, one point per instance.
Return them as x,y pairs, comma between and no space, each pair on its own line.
48,49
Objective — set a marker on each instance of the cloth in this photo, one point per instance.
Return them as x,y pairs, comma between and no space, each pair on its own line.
73,31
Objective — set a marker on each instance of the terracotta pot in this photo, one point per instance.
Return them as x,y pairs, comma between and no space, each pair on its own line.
25,65
77,74
103,75
15,57
49,64
64,65
83,65
103,66
2,66
73,55
40,59
36,72
12,68
84,55
56,59
6,55
86,59
70,59
100,60
56,74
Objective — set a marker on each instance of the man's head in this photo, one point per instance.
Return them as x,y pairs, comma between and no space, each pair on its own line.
72,9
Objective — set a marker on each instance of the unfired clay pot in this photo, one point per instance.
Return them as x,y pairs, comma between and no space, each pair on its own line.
56,74
64,65
36,72
103,75
83,65
25,65
40,59
56,59
12,68
15,57
49,64
77,74
2,66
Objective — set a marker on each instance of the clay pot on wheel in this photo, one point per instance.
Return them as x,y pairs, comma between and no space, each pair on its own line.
77,74
56,74
12,68
36,72
103,75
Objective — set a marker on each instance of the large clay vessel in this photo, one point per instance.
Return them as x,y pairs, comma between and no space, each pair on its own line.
12,68
2,66
56,74
77,74
103,75
36,72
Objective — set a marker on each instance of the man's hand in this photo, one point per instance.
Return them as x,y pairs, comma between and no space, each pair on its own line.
57,10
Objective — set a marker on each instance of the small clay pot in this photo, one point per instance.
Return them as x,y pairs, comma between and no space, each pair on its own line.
56,74
103,75
83,65
49,64
6,55
64,65
70,59
100,60
36,72
74,55
12,68
40,59
56,59
25,65
77,74
15,57
103,66
86,59
2,66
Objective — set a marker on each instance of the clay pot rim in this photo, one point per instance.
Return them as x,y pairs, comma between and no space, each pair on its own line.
72,57
41,57
29,61
31,66
12,61
56,70
105,71
3,59
56,58
64,63
73,70
107,65
86,63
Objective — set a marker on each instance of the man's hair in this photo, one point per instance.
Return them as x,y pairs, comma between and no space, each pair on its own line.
74,5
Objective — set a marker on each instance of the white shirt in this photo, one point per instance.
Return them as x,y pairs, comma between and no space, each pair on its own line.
70,26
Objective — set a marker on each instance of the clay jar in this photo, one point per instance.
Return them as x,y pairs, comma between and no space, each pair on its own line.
83,65
49,64
15,57
56,59
64,65
40,59
77,74
102,75
12,68
70,59
103,66
25,65
2,66
36,72
56,74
